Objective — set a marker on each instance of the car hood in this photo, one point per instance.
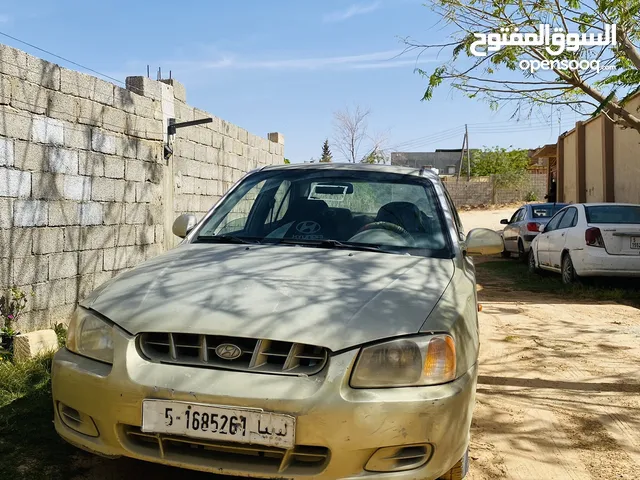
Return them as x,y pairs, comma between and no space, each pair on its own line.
331,298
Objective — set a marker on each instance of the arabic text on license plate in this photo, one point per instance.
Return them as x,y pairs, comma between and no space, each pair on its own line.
635,243
228,424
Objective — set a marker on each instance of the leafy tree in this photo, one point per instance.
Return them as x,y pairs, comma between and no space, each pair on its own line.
375,156
508,166
287,161
326,152
499,77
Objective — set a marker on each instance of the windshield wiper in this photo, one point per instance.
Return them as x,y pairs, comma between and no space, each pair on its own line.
224,239
329,243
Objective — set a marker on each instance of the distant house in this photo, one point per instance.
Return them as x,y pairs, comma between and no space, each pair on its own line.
447,162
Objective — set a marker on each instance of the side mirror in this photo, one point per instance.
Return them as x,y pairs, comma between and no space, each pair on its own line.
504,221
482,241
541,227
183,225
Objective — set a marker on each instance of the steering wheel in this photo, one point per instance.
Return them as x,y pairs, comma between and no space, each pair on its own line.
391,227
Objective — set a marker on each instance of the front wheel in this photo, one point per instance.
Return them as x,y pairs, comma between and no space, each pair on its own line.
568,272
522,255
532,262
459,470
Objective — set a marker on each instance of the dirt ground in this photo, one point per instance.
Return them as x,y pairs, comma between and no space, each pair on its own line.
558,395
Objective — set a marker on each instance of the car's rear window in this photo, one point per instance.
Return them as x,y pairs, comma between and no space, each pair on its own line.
546,211
625,214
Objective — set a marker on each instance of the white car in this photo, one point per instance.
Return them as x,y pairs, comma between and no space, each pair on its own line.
589,240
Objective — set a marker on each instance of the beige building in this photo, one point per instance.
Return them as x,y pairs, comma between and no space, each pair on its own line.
598,161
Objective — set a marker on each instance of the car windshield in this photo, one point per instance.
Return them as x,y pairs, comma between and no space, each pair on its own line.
332,208
624,214
546,211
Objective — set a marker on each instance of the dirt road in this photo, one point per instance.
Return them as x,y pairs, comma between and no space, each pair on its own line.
558,394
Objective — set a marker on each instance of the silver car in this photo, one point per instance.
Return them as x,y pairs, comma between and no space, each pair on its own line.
524,226
319,322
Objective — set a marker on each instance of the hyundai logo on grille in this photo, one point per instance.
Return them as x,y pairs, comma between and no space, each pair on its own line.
228,351
308,227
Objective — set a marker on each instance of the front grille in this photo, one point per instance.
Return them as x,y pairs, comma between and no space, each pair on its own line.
254,355
300,460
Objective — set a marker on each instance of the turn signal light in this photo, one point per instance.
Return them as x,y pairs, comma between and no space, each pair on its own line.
593,237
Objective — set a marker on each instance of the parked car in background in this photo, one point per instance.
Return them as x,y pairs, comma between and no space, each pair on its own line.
590,240
321,321
524,226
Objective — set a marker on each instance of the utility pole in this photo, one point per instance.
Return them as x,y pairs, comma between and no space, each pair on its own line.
466,136
464,142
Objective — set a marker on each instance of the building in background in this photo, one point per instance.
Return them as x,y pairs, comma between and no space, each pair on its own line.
446,161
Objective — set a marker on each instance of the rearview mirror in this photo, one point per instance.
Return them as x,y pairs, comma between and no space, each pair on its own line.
482,241
183,225
541,227
504,221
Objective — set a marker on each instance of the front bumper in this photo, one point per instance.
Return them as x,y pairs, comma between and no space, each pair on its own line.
350,425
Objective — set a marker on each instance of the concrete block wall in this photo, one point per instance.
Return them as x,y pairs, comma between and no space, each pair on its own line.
85,190
483,191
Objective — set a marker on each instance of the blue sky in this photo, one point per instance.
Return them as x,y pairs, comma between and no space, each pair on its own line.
279,65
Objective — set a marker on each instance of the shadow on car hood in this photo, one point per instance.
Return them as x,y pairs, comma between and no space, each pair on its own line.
331,298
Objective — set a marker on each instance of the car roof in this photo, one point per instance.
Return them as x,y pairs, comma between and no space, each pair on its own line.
548,204
357,167
602,204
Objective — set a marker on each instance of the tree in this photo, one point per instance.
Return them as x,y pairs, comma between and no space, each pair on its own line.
287,161
508,166
499,75
350,131
326,152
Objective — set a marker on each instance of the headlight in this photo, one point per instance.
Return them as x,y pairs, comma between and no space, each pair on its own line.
90,336
407,362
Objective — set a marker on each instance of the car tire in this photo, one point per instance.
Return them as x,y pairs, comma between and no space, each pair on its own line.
505,253
532,262
459,470
522,255
567,270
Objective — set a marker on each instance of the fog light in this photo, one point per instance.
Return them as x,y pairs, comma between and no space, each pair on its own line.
77,421
400,458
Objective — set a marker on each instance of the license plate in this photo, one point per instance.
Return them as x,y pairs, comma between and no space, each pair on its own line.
229,424
635,243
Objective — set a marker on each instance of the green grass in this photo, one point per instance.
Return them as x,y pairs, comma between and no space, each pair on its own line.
514,275
29,446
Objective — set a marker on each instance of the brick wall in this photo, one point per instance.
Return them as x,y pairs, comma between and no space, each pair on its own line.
85,191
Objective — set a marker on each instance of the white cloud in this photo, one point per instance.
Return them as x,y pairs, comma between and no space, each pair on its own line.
352,11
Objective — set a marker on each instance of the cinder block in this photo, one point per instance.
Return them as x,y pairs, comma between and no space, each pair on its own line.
126,146
147,193
30,156
5,89
43,73
134,171
113,167
137,214
243,135
231,130
63,265
276,137
91,163
145,234
149,151
144,86
184,148
90,261
62,160
48,240
125,191
29,270
13,61
47,130
103,142
153,172
90,214
179,91
64,213
114,119
89,238
29,345
77,136
103,189
5,272
28,96
125,235
154,130
16,243
184,112
30,213
15,124
85,86
77,188
159,233
89,112
120,257
137,104
227,144
14,183
114,213
47,186
216,140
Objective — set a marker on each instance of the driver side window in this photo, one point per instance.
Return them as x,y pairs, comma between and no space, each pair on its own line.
516,217
554,222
